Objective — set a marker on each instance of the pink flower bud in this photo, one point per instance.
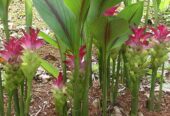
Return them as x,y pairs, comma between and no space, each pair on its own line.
58,82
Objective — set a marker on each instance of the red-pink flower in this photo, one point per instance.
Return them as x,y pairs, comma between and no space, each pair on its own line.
111,11
58,82
70,59
12,51
139,38
31,40
161,33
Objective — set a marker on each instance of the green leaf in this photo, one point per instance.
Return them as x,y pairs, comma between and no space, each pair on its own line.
97,7
132,13
120,41
107,31
79,7
59,18
164,4
49,68
48,39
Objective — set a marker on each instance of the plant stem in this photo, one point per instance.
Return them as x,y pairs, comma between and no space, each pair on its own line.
135,95
76,87
1,97
28,12
28,98
125,68
85,106
117,78
161,82
16,103
5,24
100,65
113,78
152,96
108,76
104,82
9,104
155,4
147,12
22,99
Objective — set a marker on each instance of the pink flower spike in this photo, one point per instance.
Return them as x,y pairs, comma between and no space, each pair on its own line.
161,33
70,59
139,38
82,51
31,40
111,11
12,51
58,82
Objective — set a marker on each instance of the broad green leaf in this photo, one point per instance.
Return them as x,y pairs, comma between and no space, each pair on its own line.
132,13
59,18
49,68
120,41
74,5
48,39
107,31
97,7
79,7
164,4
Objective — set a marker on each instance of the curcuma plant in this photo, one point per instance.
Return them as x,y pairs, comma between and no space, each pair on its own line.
17,56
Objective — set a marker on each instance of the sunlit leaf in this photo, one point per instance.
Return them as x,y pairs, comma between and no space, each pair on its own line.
49,68
48,39
164,4
133,13
107,31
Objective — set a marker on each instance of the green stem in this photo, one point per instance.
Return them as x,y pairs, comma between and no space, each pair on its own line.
5,24
22,99
9,104
113,78
85,106
125,68
155,4
117,78
28,98
147,12
100,65
135,97
16,103
108,76
104,83
1,97
152,96
76,87
64,69
161,82
28,13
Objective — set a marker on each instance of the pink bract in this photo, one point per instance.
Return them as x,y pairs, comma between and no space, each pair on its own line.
12,51
111,11
70,59
31,40
161,33
58,82
139,38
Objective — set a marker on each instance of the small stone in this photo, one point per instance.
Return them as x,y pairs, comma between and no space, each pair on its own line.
140,114
117,111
